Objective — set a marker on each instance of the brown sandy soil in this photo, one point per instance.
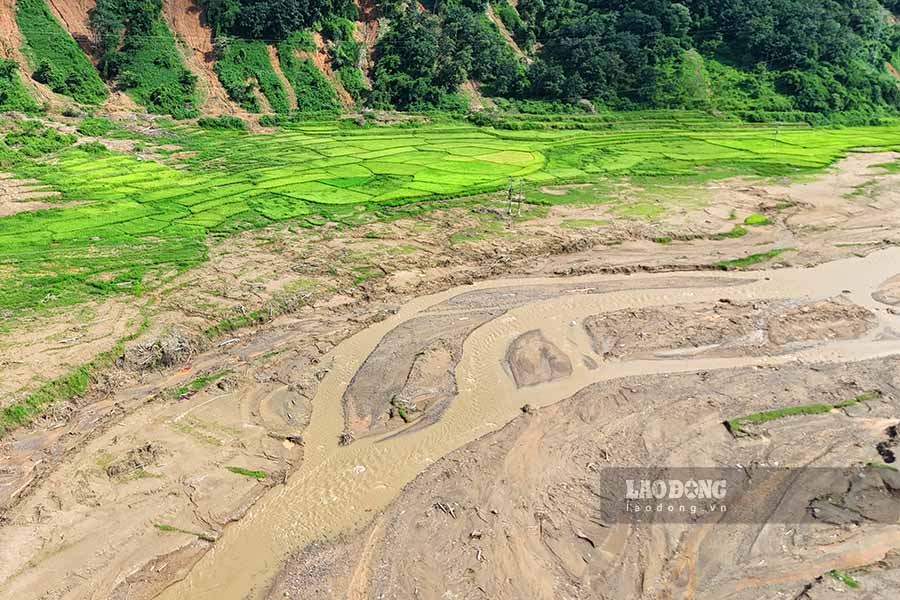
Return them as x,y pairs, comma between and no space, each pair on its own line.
414,365
471,90
322,60
506,34
19,195
487,522
264,105
185,18
75,18
40,351
892,70
726,328
367,32
889,292
121,103
288,88
392,370
242,420
532,359
311,278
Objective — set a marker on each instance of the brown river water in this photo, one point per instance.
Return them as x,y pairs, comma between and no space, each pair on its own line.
340,488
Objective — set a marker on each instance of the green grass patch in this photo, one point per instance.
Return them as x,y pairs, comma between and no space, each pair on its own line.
171,529
736,232
881,465
756,220
55,58
866,397
583,223
890,167
248,473
753,259
198,384
844,578
665,239
95,127
364,273
736,426
13,95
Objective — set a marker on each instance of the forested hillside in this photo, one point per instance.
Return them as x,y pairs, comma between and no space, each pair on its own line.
759,58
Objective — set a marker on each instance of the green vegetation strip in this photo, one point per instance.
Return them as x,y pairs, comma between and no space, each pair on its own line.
844,578
753,259
248,473
736,426
736,232
198,384
170,529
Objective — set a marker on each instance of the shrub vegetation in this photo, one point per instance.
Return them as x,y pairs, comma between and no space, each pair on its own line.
55,57
243,66
138,51
313,90
13,95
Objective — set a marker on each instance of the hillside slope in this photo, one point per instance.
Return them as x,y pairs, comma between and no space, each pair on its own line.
799,61
57,59
184,18
73,14
10,48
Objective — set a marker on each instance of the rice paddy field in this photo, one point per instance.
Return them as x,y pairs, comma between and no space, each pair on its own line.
124,225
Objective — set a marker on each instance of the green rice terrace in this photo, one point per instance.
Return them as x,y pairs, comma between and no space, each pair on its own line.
124,224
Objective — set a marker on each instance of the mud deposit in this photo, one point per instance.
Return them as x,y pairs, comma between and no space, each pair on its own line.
451,447
484,522
533,359
648,410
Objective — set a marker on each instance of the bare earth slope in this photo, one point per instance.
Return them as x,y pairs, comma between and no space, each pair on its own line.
185,18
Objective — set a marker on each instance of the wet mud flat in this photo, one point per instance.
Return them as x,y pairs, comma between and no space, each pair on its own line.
517,513
337,437
341,485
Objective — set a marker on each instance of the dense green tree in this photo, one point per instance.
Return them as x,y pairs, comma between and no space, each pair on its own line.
271,20
414,66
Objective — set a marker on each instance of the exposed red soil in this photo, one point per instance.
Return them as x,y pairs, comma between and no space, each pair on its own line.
892,70
75,17
367,32
186,20
506,34
322,60
288,88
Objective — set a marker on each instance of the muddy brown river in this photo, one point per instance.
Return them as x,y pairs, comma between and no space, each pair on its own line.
339,488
